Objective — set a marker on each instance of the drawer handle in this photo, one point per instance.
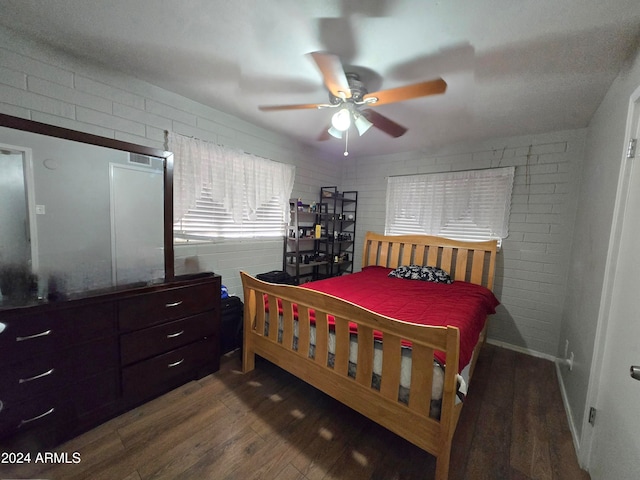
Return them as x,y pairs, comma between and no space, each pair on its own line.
29,337
175,364
25,380
174,335
174,304
29,420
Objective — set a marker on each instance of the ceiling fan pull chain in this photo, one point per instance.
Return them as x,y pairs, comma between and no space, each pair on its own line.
346,143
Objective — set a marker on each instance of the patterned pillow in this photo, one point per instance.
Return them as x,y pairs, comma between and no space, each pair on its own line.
416,272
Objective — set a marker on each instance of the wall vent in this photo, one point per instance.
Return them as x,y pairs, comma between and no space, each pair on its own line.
140,159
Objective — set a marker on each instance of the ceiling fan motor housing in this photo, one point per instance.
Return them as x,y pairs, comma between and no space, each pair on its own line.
358,90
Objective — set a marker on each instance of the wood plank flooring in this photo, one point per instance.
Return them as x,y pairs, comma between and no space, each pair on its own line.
269,425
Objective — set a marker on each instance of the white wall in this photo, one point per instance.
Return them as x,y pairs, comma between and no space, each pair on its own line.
604,152
533,265
41,84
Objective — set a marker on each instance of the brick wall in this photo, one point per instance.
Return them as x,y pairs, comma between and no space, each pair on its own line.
533,263
41,84
45,86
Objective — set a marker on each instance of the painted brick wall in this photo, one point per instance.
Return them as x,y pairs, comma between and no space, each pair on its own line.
41,84
533,263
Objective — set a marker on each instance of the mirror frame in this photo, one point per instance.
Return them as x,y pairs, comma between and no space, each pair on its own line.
17,123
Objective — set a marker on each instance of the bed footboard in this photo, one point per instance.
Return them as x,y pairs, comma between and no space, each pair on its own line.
286,343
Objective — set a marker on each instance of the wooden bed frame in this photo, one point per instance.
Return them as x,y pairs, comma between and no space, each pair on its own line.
472,262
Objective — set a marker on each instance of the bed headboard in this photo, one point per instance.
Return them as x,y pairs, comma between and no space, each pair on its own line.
473,262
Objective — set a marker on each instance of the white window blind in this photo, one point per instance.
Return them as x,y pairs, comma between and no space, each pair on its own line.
468,205
225,193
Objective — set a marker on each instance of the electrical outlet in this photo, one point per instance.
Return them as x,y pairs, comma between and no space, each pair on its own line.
570,361
40,210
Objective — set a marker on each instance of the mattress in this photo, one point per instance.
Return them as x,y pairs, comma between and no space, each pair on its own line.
405,365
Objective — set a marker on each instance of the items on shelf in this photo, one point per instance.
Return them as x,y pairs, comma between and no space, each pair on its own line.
338,216
320,236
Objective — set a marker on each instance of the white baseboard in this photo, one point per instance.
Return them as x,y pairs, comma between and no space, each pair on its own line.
526,351
568,411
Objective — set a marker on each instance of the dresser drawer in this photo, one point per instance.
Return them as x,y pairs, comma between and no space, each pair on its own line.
59,408
157,307
141,344
52,330
42,413
158,374
32,376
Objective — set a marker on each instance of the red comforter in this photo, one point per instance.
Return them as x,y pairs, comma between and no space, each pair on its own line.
460,304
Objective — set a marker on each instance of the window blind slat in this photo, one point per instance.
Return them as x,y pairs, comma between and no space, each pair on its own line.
468,205
225,192
209,219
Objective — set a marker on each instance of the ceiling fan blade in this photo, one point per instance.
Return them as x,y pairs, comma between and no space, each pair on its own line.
332,73
383,123
432,87
324,135
301,106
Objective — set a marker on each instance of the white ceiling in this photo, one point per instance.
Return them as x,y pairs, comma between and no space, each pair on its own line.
512,66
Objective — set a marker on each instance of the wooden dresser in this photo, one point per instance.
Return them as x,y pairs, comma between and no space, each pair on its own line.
67,366
167,337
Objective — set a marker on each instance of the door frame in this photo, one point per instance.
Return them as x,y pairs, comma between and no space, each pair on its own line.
622,194
112,206
30,198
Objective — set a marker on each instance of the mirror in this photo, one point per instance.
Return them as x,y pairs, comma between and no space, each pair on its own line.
79,213
15,231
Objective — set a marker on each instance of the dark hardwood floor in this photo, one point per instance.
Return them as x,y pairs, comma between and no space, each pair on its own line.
269,425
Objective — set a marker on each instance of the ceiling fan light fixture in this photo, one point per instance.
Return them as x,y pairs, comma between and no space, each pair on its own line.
334,132
347,92
341,120
361,123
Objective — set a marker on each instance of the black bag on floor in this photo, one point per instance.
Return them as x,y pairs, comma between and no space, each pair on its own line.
232,313
276,276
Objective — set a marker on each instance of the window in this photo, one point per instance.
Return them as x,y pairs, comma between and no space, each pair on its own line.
220,192
468,205
210,219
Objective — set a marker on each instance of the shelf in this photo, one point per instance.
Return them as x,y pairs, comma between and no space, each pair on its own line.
335,207
330,213
310,264
330,240
302,239
339,197
302,212
342,262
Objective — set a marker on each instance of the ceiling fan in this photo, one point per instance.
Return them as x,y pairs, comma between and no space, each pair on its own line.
349,95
